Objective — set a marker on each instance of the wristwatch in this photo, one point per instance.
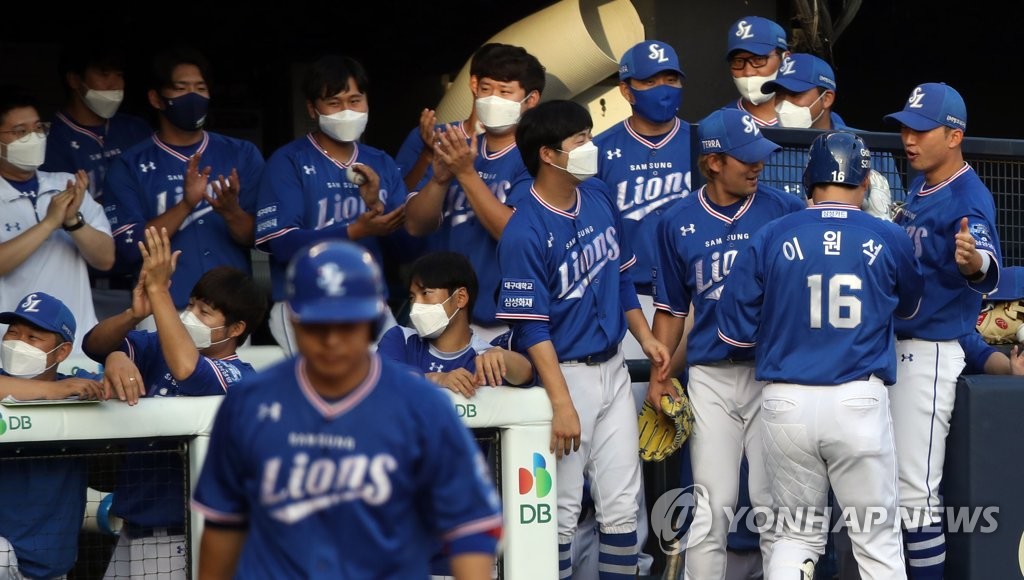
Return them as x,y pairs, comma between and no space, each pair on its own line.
75,226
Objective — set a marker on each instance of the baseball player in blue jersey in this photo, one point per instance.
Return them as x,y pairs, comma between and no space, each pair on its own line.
816,293
89,133
44,497
645,159
326,184
755,49
698,241
160,182
191,354
805,90
565,284
337,463
416,154
466,194
441,344
950,217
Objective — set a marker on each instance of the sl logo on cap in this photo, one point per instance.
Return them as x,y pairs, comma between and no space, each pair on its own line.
31,303
743,29
749,126
916,98
788,66
657,53
329,278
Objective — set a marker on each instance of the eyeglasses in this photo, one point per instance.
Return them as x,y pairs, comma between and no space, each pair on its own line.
756,61
40,129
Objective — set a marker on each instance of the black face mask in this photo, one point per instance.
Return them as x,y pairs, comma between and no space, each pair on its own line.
187,112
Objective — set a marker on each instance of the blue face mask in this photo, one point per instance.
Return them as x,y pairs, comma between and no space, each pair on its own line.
187,112
658,104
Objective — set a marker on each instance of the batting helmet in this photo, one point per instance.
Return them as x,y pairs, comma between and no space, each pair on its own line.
335,281
837,157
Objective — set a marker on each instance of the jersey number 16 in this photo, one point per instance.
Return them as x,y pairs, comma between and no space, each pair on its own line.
843,309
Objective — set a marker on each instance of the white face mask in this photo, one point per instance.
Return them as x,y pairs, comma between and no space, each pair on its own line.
750,88
201,334
345,126
796,117
27,153
21,359
430,320
103,103
497,114
582,162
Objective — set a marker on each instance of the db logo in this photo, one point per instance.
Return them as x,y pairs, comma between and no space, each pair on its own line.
15,423
672,518
538,481
465,410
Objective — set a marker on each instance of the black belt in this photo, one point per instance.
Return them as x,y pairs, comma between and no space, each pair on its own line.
645,288
593,359
133,531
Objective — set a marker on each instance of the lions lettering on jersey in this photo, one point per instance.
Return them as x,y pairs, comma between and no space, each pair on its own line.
591,255
306,486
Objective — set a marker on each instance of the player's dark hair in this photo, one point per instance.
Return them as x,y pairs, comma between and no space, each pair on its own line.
330,74
235,294
15,97
448,270
507,63
547,125
100,53
162,71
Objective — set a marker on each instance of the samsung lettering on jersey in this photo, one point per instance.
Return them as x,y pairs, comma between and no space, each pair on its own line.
313,486
576,275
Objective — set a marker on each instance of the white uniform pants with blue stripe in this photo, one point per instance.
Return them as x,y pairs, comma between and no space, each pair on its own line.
608,450
726,403
922,405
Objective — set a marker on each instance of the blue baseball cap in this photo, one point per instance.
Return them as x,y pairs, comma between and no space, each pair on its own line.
932,105
756,35
1011,285
647,59
800,72
735,133
44,311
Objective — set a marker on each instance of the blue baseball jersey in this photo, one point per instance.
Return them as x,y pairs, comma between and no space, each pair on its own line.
931,217
44,499
646,176
150,487
70,146
149,178
817,292
976,353
304,189
564,273
362,487
461,231
402,344
698,242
